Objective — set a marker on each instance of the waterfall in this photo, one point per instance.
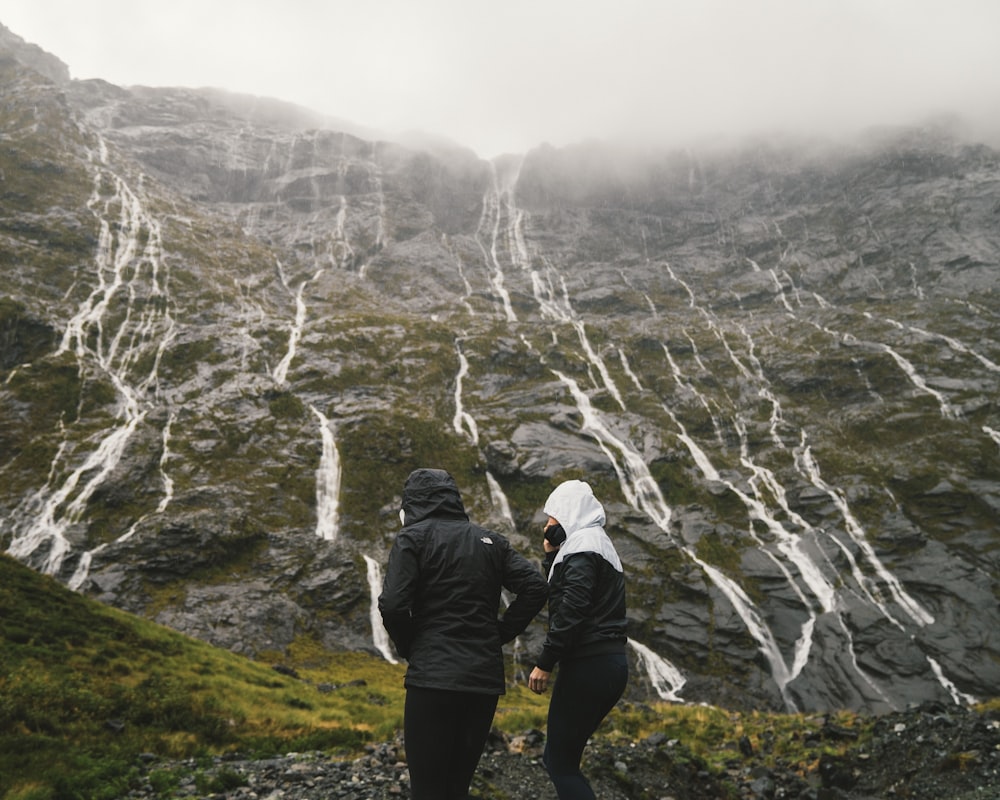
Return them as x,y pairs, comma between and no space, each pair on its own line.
500,500
461,418
960,698
380,638
139,333
168,482
992,433
490,218
327,482
666,679
916,612
295,333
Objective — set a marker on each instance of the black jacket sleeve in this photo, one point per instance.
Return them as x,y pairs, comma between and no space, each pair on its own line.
570,612
523,579
399,591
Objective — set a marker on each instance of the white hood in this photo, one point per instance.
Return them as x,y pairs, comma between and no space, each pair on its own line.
582,517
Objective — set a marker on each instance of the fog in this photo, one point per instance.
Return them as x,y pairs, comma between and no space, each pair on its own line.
506,76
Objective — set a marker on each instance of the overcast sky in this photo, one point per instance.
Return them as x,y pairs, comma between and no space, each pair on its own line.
506,75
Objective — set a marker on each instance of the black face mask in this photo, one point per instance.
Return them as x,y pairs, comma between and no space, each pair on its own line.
555,534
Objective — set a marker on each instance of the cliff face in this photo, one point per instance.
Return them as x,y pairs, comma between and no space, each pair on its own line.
228,331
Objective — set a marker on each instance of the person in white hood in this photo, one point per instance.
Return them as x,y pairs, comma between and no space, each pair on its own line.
586,635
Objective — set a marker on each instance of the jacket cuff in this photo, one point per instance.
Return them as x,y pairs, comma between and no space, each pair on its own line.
546,661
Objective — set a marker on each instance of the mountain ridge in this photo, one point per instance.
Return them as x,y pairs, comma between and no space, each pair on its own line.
196,306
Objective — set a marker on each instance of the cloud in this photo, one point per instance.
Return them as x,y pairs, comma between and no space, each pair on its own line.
507,76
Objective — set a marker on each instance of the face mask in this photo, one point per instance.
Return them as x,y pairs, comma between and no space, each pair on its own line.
555,534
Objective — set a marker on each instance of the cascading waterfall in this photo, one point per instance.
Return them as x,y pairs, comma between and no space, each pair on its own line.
959,697
789,546
375,171
380,637
792,545
500,500
280,373
168,483
992,433
130,304
490,220
807,467
463,422
913,609
327,482
82,571
666,680
639,487
812,574
446,242
919,382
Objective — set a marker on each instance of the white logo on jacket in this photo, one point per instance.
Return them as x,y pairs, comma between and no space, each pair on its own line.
486,540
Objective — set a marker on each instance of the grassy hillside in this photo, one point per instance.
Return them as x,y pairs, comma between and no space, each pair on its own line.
85,690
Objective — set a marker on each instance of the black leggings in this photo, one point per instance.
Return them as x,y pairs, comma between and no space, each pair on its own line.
444,734
586,689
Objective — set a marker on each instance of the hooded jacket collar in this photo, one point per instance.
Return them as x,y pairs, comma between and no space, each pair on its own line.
582,517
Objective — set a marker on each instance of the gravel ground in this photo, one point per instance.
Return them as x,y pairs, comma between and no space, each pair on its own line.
930,753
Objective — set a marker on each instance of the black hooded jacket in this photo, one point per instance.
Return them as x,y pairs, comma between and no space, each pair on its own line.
441,594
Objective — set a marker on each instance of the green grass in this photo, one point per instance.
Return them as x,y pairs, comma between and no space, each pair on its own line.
85,689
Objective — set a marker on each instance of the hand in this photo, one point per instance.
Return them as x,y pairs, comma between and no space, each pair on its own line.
538,680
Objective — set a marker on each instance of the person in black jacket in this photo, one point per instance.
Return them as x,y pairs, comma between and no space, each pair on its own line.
586,635
440,602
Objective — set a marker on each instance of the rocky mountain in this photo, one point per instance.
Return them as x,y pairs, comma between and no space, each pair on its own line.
230,328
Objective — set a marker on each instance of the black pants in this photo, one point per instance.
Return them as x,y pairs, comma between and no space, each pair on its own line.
586,689
444,735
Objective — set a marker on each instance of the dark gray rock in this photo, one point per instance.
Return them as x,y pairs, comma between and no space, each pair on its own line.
784,356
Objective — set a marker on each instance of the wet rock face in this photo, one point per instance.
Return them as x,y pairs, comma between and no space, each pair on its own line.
776,363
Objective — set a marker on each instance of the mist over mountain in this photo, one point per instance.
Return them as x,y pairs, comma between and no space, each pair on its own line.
229,328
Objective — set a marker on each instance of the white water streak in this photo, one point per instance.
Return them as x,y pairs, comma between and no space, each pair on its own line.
168,482
951,341
493,207
914,610
562,311
328,476
781,291
464,422
345,252
461,274
462,419
959,697
920,383
280,373
789,544
500,500
628,369
643,493
375,171
638,485
380,637
128,280
666,679
992,433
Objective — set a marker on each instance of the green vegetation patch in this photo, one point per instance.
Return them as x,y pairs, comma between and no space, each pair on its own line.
84,689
